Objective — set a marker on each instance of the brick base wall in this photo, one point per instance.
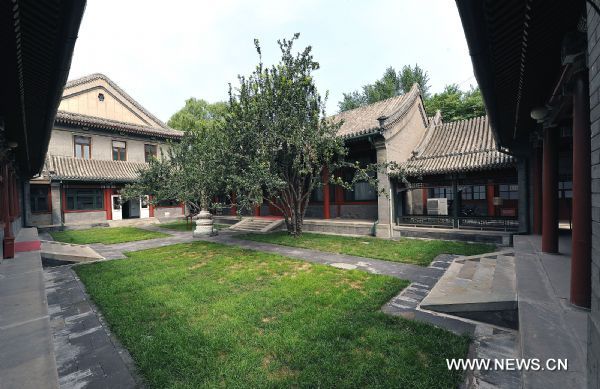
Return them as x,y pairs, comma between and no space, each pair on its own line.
594,317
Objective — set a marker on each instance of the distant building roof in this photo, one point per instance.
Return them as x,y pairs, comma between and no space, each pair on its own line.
460,146
80,120
77,169
366,120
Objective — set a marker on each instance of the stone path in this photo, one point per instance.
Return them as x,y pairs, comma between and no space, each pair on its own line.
87,355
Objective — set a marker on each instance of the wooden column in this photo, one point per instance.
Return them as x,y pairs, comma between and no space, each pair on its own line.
257,210
326,202
537,190
490,193
550,192
581,274
8,243
455,203
233,209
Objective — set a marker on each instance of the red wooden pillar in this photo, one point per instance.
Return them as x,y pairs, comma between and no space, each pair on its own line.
550,192
326,205
233,209
489,195
257,210
581,271
8,243
108,203
537,191
151,206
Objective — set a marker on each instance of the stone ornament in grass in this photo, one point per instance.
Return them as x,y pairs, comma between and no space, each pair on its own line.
204,225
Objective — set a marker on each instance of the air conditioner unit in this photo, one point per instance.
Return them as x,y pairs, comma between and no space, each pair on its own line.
437,206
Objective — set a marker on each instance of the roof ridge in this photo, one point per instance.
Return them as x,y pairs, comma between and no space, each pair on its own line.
75,118
380,102
407,102
96,76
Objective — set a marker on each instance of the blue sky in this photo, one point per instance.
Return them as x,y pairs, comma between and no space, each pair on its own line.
162,52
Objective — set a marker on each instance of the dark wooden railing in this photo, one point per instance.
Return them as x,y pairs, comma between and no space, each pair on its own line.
497,223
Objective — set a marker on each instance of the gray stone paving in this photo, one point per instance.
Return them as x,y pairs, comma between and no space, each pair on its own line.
87,355
550,327
27,357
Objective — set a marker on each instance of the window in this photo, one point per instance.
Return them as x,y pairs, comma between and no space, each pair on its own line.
475,192
39,198
100,97
467,193
509,191
84,199
83,147
119,150
565,189
479,192
168,203
362,191
317,194
442,192
149,152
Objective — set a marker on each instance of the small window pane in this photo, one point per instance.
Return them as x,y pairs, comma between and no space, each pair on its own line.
82,140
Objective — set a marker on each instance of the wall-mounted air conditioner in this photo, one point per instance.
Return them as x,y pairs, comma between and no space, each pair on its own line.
437,206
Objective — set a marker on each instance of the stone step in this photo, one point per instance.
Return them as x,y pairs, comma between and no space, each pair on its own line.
257,225
59,251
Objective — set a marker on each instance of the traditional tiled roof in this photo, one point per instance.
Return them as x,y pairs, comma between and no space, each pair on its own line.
460,146
366,120
100,76
77,169
80,120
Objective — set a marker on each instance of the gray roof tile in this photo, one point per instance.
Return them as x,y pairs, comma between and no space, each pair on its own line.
80,120
76,169
365,120
460,146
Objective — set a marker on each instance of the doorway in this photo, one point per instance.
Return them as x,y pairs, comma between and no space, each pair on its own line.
131,209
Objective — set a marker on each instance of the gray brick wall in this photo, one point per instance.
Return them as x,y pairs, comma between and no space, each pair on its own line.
594,317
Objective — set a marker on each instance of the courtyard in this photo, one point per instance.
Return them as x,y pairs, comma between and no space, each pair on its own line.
205,314
328,204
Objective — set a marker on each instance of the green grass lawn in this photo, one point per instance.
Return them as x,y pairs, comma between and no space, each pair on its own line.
413,251
106,235
184,226
207,315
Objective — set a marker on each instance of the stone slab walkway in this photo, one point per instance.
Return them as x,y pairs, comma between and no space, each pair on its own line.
550,327
87,355
27,357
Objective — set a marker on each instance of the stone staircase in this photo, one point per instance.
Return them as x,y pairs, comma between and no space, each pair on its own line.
257,225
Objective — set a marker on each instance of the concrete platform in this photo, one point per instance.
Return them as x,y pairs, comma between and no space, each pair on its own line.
27,357
550,327
496,237
68,252
355,227
479,287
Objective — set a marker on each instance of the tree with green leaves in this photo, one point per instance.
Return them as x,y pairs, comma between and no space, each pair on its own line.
281,141
391,84
196,114
194,171
456,104
414,75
